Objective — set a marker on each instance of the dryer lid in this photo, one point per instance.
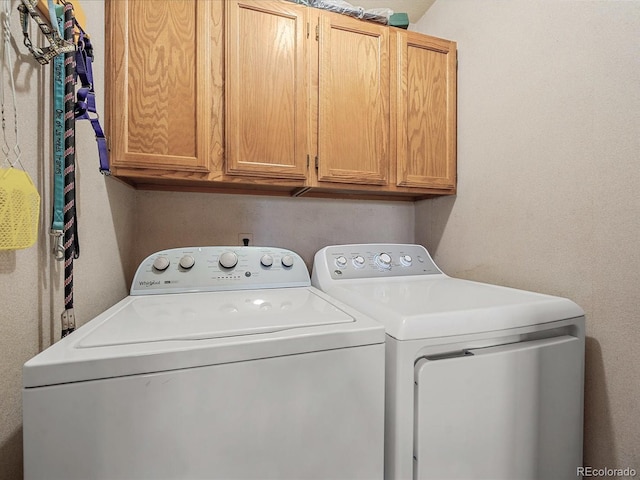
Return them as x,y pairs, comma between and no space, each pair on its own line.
440,306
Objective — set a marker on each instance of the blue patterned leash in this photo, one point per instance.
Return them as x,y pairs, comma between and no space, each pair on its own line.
57,213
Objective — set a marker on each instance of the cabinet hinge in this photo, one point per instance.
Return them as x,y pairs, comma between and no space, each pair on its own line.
316,163
307,162
317,32
308,29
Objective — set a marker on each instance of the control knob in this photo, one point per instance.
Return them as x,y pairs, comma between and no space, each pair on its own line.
187,261
341,261
228,260
287,261
161,263
384,261
406,260
358,261
266,260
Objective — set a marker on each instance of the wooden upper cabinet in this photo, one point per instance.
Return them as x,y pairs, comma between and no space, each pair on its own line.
164,106
426,111
353,100
270,96
266,90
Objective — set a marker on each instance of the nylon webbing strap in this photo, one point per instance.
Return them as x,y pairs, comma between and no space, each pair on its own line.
71,246
57,44
86,103
57,214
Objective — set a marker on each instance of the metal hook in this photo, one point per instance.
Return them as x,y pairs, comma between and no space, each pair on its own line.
58,245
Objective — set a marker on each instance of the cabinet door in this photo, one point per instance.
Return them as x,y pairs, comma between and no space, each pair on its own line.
426,111
353,101
161,55
266,91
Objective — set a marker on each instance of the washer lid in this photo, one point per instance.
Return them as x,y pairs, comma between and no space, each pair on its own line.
199,316
439,306
155,333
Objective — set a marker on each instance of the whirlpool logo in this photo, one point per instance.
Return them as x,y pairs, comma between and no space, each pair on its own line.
148,283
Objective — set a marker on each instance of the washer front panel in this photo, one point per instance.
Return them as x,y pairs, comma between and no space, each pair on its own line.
315,415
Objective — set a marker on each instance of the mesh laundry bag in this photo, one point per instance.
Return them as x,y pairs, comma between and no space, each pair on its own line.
19,209
19,199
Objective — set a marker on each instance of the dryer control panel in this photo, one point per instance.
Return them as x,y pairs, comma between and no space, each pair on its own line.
207,269
373,261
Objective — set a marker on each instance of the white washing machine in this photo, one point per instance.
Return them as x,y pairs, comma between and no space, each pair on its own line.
223,363
482,381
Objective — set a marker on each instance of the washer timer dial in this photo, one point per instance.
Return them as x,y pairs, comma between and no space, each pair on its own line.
228,260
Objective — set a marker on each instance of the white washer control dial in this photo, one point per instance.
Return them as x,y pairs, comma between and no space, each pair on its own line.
287,261
406,260
161,263
358,261
187,262
384,261
266,260
341,261
228,260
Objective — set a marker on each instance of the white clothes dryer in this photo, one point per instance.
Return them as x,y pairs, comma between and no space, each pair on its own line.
482,381
224,362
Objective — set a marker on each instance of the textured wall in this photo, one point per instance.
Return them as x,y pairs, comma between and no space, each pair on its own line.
119,227
31,283
302,225
549,175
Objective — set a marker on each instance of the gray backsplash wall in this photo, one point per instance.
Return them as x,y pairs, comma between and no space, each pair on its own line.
167,219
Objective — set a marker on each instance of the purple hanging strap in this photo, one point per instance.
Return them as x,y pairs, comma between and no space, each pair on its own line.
85,108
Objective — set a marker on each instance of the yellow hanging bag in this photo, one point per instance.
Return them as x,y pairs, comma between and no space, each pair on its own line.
19,209
19,199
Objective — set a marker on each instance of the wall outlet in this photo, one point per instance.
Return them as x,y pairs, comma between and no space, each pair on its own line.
245,239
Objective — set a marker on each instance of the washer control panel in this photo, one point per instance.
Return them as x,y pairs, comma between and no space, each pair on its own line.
205,269
374,260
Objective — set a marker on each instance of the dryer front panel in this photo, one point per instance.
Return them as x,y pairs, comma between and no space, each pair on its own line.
506,412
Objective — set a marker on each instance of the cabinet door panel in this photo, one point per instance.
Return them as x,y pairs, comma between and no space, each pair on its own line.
266,89
426,106
160,63
353,108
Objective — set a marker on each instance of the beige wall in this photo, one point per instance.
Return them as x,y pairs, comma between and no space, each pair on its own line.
548,153
119,227
301,224
31,283
549,180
